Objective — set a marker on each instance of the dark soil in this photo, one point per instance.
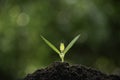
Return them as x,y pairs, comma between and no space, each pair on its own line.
64,71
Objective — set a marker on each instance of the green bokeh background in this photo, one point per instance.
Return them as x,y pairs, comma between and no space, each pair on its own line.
22,51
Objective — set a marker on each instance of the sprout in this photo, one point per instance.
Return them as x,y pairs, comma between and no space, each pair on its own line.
62,50
62,47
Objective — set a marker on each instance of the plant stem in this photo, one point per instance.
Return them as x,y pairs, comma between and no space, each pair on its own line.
62,57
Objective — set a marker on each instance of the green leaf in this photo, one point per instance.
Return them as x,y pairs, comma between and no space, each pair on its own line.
71,44
50,45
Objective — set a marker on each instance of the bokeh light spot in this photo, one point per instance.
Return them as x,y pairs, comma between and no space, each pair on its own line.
23,19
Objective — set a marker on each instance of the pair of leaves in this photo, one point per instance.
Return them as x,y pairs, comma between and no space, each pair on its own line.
66,49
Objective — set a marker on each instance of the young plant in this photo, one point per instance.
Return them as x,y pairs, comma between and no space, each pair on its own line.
62,50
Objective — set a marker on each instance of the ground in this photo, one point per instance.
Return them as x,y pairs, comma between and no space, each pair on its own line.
64,71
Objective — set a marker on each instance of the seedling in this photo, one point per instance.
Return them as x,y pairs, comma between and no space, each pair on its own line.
62,50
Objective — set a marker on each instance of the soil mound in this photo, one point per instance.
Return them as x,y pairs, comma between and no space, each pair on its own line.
64,71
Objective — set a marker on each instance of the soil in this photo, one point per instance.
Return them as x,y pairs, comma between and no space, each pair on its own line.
64,71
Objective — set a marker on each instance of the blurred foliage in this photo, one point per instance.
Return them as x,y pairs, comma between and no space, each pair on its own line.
23,21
